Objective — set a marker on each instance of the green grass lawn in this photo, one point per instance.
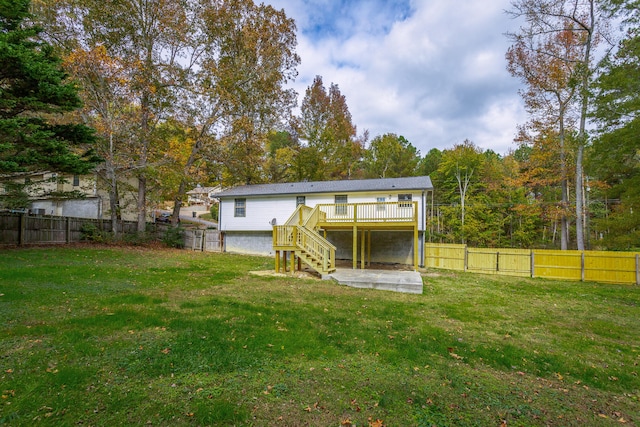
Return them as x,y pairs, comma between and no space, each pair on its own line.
107,336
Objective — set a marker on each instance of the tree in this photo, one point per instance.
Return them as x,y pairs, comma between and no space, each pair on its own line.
215,70
108,108
614,157
457,176
325,124
390,156
34,96
574,26
546,66
430,162
281,156
152,41
250,60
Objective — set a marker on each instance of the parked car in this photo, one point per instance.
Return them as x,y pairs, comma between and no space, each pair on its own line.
164,217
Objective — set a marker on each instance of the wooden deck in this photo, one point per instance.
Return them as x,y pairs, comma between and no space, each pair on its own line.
357,217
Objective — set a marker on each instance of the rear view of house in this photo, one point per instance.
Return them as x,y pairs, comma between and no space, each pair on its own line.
372,220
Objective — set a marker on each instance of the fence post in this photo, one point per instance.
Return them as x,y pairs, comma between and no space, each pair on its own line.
23,229
582,266
68,231
637,269
466,257
497,261
533,264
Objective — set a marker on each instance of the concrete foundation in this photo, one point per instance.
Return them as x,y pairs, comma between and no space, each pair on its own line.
394,247
249,242
387,280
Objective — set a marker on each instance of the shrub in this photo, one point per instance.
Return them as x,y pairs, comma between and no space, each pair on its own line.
91,233
174,237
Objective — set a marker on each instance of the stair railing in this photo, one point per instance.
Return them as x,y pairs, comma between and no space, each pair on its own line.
316,247
299,232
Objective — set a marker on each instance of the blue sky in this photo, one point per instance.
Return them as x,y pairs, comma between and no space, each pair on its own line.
430,70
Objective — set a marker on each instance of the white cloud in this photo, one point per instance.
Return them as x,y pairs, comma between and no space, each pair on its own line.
431,70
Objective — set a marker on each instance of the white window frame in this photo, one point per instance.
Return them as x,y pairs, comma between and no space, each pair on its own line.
240,208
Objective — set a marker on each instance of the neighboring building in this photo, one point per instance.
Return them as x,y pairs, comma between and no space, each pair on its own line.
203,195
374,220
53,193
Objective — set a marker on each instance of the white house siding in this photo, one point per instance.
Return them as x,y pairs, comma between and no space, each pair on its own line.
259,213
89,207
261,210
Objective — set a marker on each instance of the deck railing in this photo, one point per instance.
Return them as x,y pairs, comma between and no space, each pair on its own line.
283,236
316,246
299,237
300,215
379,212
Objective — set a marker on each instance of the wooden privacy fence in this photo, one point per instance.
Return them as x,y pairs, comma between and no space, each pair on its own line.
23,229
203,240
596,266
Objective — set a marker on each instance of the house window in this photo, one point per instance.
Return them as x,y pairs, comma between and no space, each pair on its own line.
341,202
240,208
404,200
76,180
380,201
300,200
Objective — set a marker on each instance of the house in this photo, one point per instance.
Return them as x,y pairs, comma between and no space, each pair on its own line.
203,195
79,196
372,220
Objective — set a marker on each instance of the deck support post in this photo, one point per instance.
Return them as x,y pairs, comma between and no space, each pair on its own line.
277,261
284,261
415,248
355,247
293,262
369,250
363,253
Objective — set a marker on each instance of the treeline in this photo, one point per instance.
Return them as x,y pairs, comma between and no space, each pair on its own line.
192,92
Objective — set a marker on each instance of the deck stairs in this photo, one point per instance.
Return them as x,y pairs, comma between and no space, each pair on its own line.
300,235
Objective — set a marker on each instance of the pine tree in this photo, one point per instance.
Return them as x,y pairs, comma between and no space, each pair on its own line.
33,95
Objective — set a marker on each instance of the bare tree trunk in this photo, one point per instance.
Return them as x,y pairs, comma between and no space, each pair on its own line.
582,133
579,199
564,221
142,203
463,185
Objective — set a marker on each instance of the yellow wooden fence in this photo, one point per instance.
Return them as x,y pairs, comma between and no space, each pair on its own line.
596,266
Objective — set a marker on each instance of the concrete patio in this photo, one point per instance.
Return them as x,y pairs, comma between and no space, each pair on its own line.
387,280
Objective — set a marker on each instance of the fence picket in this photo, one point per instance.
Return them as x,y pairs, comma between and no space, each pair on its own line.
597,266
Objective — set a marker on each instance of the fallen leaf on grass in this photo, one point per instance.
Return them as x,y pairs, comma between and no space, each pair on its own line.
376,423
455,356
346,423
165,351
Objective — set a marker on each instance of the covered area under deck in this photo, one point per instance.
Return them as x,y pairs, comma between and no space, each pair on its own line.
364,219
307,231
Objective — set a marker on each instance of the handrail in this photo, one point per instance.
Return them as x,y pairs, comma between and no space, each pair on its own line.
316,246
369,212
314,217
305,240
298,215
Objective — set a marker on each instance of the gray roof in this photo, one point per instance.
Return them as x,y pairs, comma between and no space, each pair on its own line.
347,186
